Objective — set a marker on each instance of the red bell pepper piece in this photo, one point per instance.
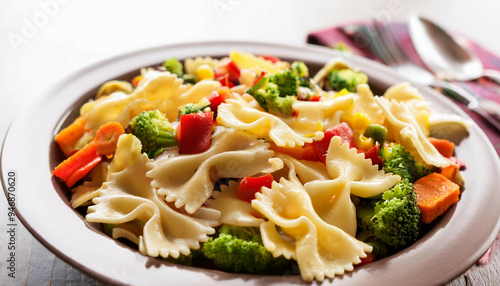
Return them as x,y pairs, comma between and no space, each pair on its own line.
251,185
309,152
78,165
228,67
195,130
372,154
343,130
271,58
315,98
216,98
224,81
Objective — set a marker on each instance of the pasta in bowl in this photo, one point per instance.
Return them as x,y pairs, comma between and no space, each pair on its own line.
250,164
44,202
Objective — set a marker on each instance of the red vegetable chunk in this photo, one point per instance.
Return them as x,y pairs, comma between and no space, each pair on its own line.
78,165
217,98
372,154
230,69
251,185
195,130
271,58
342,130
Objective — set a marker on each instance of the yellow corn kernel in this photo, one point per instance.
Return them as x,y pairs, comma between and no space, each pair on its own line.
362,142
205,72
360,120
342,92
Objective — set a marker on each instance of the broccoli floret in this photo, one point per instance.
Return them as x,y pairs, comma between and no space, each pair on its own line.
399,161
286,82
345,78
276,92
194,107
300,69
188,108
393,219
154,131
302,72
270,100
240,249
174,66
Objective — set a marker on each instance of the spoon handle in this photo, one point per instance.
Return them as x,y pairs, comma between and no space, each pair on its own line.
487,109
492,74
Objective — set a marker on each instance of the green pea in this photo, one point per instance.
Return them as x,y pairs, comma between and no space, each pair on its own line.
377,132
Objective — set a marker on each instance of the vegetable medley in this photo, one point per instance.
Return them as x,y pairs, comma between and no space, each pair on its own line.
249,164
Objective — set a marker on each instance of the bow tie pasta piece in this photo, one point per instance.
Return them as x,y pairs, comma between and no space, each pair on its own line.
129,197
302,170
128,149
314,116
321,115
158,90
365,179
200,90
402,92
332,202
190,65
364,101
335,63
234,114
321,250
233,210
331,199
403,125
188,180
155,86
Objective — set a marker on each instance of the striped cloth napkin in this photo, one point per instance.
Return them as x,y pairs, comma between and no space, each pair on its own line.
482,86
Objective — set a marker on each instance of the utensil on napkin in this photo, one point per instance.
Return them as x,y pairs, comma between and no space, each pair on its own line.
445,55
384,44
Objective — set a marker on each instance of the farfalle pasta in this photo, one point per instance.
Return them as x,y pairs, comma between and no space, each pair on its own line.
251,165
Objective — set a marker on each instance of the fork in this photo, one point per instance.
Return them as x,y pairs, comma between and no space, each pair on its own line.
386,47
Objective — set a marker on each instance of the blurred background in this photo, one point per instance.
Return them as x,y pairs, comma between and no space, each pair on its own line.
42,41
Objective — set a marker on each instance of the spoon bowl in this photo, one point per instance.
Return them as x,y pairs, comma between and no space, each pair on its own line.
445,55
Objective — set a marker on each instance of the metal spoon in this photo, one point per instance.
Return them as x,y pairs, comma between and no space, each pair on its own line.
443,54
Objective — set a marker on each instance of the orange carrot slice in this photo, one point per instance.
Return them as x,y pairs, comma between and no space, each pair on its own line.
435,194
136,80
106,138
78,165
67,138
295,152
443,146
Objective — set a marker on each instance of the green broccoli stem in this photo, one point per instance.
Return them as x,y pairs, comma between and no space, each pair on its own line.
260,84
165,138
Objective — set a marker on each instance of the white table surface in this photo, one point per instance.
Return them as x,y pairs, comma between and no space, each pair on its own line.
41,41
